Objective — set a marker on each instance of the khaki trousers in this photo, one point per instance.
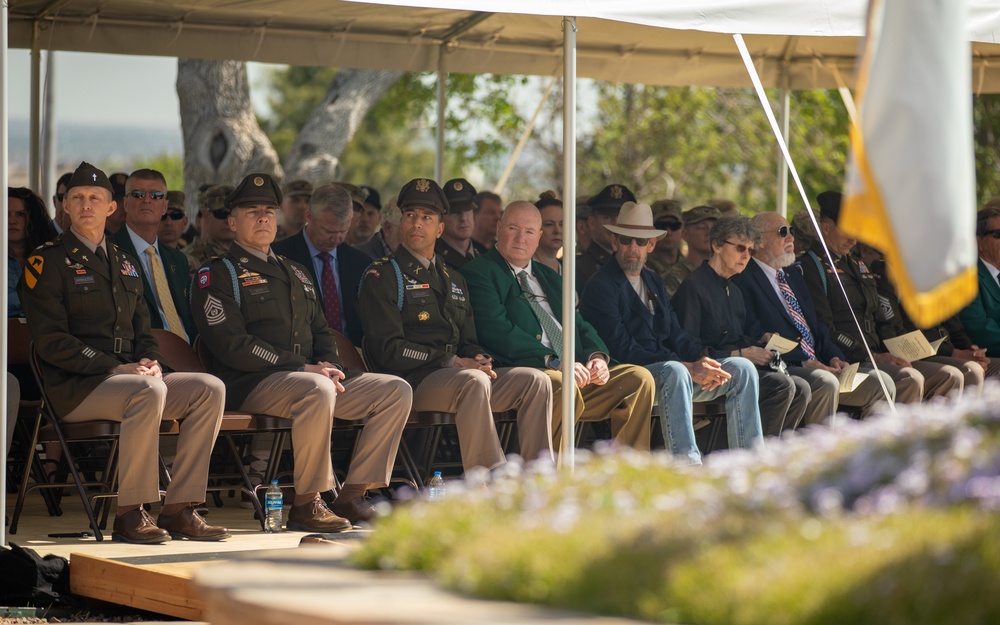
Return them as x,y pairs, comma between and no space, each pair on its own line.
826,395
473,396
973,373
311,400
626,399
924,379
140,402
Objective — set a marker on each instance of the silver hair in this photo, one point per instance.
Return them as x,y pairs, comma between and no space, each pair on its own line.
729,227
390,211
334,200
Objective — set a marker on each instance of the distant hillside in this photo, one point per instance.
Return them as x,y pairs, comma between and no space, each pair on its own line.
109,147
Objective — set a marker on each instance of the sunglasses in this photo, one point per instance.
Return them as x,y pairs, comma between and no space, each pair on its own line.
220,213
627,241
784,231
139,194
991,233
174,215
742,249
668,225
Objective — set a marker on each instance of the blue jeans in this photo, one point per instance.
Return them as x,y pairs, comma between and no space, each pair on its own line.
675,392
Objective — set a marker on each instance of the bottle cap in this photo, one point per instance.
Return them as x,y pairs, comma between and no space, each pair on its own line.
274,481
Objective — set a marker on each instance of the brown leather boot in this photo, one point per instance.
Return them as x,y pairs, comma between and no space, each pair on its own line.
188,524
314,516
136,526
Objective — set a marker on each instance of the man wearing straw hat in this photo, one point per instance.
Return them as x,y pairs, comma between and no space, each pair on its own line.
628,305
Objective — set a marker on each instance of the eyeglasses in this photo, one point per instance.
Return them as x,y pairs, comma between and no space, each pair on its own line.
668,225
992,233
220,213
742,249
784,231
174,215
139,194
627,241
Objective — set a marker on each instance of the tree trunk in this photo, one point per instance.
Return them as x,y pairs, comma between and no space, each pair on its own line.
222,140
315,155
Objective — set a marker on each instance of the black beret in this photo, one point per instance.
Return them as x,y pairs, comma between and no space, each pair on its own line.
255,189
86,175
423,193
373,197
610,199
461,195
829,204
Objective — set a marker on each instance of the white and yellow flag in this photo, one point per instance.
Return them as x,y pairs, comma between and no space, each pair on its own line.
911,175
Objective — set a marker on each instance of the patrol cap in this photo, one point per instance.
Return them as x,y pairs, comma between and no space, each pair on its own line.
358,195
255,189
214,197
373,197
175,200
297,187
423,193
461,195
86,175
829,204
700,213
609,201
666,208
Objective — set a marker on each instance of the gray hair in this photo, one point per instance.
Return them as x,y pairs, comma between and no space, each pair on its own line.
730,227
332,199
390,211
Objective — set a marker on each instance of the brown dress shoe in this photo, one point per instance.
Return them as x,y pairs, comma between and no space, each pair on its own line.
357,510
188,524
136,526
314,516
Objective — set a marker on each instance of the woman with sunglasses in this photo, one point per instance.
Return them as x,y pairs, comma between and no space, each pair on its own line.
549,251
712,309
28,223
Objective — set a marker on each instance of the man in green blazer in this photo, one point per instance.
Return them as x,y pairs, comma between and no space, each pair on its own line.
982,316
145,206
517,304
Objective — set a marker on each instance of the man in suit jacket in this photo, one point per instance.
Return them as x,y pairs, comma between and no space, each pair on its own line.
518,304
145,206
982,316
333,265
628,306
773,309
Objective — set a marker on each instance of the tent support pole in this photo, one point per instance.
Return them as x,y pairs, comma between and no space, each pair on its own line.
35,124
568,445
48,186
442,104
782,166
4,140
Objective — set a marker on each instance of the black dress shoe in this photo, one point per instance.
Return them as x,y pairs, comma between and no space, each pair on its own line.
137,527
357,510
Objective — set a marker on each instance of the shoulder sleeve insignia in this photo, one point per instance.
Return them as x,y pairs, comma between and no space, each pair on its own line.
33,271
204,277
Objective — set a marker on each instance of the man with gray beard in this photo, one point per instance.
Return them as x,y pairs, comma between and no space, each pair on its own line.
777,296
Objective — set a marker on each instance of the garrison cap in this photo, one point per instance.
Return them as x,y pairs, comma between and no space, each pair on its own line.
214,197
297,187
373,197
423,193
253,190
701,213
609,201
666,208
829,204
461,195
86,175
358,194
175,200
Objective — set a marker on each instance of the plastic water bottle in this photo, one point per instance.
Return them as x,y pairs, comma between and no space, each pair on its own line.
435,488
272,508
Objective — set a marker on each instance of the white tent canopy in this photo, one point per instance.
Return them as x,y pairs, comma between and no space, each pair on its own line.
664,42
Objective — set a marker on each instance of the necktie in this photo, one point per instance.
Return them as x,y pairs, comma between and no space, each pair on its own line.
331,298
163,291
797,317
102,256
544,318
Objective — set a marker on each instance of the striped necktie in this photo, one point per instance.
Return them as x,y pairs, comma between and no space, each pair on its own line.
797,317
544,318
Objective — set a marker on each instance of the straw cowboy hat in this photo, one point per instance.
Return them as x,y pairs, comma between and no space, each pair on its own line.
636,220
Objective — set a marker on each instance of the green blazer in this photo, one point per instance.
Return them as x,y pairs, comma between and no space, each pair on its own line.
505,323
175,266
982,316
